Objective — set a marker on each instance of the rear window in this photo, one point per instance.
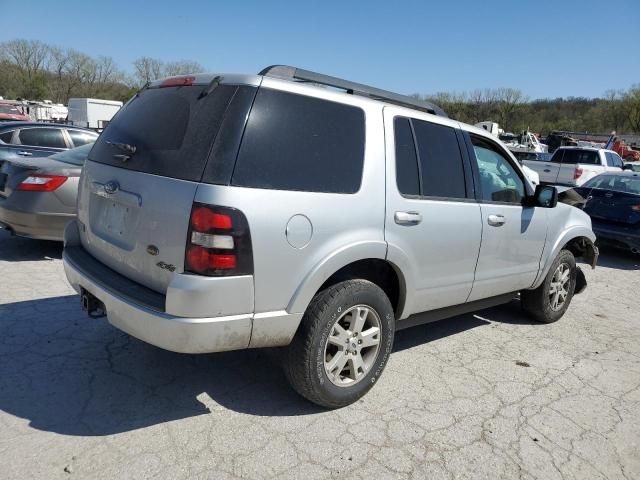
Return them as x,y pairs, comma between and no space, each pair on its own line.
586,157
296,142
9,110
171,128
81,138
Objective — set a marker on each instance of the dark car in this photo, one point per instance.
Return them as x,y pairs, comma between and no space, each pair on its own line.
612,200
32,139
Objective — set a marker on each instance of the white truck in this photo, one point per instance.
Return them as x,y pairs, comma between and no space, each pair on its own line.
92,112
573,166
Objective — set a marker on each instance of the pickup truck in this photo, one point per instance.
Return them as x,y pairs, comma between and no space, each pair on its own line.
573,166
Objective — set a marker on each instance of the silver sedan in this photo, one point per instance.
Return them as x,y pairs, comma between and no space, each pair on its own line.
38,195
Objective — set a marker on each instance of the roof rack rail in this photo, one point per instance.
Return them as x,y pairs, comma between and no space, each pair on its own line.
297,74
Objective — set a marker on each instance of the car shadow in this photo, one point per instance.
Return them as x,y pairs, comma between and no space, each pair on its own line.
72,375
618,259
13,249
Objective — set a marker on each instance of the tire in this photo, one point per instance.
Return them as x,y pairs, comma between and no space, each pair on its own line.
539,303
312,352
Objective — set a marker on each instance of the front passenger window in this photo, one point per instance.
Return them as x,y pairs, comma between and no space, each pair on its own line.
499,181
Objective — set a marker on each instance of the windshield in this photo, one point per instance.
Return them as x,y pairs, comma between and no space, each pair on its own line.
10,110
617,183
75,156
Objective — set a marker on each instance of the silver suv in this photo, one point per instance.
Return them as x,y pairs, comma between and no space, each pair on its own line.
290,208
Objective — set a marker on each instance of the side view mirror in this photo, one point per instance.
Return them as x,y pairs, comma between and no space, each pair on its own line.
626,166
545,196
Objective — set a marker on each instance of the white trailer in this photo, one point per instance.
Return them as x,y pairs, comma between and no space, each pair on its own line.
92,112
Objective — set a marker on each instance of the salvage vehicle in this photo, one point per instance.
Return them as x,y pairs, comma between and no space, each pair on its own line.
612,200
31,139
299,210
11,113
38,195
573,166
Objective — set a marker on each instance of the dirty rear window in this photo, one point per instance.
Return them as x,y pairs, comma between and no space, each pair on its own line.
586,157
171,128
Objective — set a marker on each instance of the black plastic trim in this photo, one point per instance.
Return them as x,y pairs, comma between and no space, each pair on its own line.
112,281
447,312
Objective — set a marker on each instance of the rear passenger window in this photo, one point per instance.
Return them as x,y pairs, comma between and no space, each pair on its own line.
296,142
6,137
42,137
407,175
441,165
557,156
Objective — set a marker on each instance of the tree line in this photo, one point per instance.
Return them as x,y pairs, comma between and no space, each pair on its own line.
616,110
34,70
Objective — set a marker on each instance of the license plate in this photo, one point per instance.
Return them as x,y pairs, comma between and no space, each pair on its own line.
114,217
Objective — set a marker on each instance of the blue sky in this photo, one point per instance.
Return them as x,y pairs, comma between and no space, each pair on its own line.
544,48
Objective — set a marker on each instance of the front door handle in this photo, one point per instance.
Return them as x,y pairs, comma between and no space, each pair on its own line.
547,170
496,220
25,154
407,218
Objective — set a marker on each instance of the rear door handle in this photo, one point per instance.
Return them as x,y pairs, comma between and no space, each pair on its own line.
496,220
407,218
25,154
547,170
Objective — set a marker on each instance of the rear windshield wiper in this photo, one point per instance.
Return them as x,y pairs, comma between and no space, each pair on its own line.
129,150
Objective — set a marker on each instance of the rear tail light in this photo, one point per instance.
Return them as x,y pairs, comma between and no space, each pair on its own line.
182,81
577,173
41,183
635,208
218,242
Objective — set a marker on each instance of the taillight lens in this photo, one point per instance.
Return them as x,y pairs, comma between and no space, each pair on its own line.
218,242
577,173
181,81
41,183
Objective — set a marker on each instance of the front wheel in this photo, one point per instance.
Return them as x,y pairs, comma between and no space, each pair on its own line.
550,300
343,344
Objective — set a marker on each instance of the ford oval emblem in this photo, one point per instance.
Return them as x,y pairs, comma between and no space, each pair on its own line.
111,187
153,250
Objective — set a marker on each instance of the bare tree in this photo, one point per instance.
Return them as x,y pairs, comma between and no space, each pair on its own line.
182,67
31,56
147,69
631,103
507,101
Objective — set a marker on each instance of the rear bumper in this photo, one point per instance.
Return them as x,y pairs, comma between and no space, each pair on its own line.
40,226
622,237
136,311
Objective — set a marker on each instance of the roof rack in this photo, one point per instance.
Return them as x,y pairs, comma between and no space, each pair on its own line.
297,74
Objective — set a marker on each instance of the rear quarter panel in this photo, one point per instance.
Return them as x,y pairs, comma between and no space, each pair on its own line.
345,227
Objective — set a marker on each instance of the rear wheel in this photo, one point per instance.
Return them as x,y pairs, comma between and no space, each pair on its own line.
342,345
550,300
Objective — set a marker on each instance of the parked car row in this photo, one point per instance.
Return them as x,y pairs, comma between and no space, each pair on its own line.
39,169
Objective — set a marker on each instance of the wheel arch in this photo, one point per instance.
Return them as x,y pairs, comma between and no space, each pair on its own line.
578,240
363,261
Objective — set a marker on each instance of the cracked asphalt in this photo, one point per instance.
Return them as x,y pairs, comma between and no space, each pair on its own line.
489,396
